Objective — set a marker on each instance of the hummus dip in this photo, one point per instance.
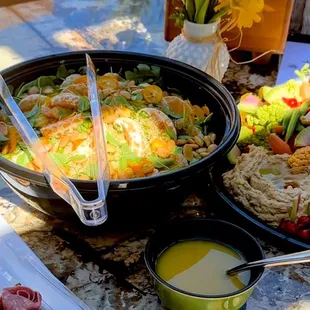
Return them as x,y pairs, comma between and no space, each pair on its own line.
266,185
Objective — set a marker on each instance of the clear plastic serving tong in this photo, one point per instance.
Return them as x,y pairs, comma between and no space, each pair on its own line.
93,212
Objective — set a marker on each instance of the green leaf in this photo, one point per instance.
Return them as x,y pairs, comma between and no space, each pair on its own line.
70,71
23,159
3,138
143,73
123,101
190,8
108,101
136,97
33,112
155,70
201,11
85,126
59,158
44,81
24,87
61,72
84,104
143,67
64,113
82,70
92,171
160,163
219,14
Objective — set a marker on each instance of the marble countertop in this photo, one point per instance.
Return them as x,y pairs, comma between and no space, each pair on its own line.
105,267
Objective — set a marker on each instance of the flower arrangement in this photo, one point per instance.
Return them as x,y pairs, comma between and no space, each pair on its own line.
232,13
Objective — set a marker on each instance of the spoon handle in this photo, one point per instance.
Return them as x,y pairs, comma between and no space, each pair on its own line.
289,259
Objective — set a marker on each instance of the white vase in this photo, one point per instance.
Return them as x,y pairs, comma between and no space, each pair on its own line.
199,46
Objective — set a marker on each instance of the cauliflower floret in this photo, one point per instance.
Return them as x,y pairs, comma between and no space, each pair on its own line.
305,120
301,158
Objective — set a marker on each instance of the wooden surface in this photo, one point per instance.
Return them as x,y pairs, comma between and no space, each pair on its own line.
270,34
13,2
297,16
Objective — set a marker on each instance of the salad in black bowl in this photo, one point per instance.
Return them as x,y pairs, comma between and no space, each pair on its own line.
165,122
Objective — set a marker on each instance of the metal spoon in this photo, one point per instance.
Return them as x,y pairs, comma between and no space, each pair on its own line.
289,259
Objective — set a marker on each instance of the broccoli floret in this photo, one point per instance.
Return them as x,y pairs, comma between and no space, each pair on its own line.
268,115
256,136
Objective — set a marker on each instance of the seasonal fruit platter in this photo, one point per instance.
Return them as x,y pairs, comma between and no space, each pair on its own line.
266,178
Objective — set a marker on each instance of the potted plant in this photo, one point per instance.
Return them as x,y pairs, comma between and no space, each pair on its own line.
200,43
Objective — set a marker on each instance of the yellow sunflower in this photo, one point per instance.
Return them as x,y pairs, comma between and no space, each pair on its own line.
243,13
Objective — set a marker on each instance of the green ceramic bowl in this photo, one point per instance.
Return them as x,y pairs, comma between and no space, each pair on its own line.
203,229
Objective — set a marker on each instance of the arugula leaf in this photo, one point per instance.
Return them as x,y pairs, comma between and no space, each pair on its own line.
62,72
136,97
144,73
33,112
64,113
156,70
143,67
82,70
123,101
3,138
24,87
43,81
108,101
161,162
85,126
84,104
70,71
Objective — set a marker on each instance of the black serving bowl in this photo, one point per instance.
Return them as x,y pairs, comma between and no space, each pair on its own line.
194,84
203,229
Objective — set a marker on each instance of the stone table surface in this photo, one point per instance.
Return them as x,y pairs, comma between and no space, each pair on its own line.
105,269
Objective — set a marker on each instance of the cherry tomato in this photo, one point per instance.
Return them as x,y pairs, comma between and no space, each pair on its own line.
291,102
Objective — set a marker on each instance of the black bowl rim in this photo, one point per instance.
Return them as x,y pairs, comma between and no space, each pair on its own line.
229,139
221,222
251,218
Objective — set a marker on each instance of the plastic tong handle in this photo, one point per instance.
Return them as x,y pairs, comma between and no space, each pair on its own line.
91,213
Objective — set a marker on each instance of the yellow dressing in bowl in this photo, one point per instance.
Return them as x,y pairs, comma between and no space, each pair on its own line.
199,267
